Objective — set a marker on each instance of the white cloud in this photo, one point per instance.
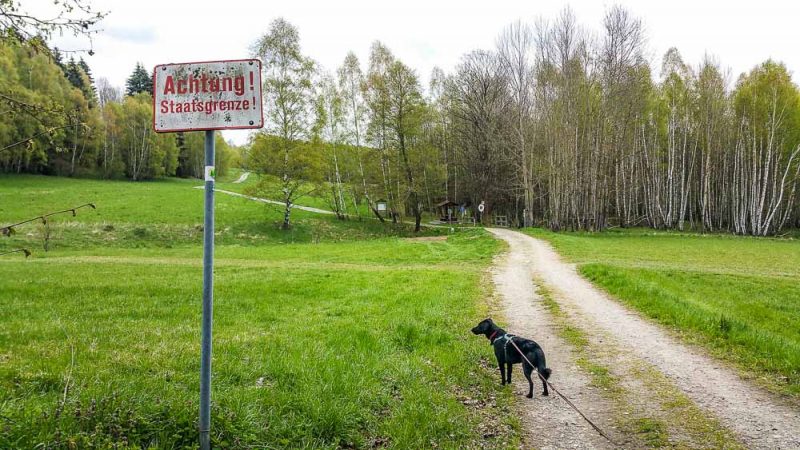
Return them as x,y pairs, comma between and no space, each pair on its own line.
141,35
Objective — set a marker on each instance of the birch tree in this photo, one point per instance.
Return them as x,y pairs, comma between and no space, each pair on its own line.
515,47
289,105
377,97
352,85
404,117
766,167
329,128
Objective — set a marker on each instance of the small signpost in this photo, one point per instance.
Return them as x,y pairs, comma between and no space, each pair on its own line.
207,96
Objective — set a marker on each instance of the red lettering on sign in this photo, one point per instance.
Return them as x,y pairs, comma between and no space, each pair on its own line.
169,85
238,85
192,85
207,95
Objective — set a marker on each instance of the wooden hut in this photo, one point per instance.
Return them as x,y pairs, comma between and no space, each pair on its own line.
448,211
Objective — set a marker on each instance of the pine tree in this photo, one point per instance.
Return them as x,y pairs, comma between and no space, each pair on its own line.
78,77
85,67
139,81
89,90
73,74
59,59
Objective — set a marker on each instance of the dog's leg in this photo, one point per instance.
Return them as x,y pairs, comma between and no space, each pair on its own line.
527,370
508,372
541,368
502,373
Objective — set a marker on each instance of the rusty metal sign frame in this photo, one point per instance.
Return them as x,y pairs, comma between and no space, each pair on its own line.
254,92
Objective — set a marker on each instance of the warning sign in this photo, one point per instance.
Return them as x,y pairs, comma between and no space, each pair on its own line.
211,95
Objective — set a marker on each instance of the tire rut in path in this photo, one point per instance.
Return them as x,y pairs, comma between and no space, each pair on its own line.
549,423
758,418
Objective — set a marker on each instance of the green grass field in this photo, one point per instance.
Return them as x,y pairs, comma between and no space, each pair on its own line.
737,296
165,213
336,334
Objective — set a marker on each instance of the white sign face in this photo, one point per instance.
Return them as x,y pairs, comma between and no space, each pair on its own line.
381,206
213,95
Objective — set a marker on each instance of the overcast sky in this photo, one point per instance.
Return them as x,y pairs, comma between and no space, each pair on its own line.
423,34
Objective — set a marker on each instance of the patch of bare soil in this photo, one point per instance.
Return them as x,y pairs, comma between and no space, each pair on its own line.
427,238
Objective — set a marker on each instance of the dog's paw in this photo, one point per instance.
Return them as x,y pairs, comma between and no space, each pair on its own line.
529,395
545,394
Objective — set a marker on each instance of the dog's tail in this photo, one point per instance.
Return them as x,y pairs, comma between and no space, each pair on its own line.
541,364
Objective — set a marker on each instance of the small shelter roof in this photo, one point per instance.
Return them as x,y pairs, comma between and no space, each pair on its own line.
447,203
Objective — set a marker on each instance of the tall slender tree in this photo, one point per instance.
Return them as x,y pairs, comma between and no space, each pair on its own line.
404,118
289,96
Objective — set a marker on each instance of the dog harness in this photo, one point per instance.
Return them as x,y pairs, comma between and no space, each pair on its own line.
507,338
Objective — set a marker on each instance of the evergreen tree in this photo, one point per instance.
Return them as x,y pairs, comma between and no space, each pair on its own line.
89,89
180,142
59,60
139,81
73,74
85,67
77,75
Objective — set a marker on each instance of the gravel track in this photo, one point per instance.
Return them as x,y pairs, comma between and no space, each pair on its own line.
757,418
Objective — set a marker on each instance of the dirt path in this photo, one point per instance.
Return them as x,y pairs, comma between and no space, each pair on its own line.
548,421
758,419
303,208
271,202
242,178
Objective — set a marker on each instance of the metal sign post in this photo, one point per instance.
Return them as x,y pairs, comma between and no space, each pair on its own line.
208,296
212,95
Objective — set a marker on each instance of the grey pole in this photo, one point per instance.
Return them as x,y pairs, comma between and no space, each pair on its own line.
208,299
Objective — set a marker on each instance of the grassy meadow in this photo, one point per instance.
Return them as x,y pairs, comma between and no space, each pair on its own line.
332,335
737,296
163,213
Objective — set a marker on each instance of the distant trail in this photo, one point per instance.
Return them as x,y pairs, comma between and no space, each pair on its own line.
759,419
271,202
303,208
242,178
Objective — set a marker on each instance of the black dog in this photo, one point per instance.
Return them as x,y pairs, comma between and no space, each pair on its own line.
507,354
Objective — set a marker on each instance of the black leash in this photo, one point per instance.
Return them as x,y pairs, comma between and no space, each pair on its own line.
562,395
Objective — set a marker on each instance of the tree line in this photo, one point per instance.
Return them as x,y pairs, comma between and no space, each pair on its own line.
553,127
57,120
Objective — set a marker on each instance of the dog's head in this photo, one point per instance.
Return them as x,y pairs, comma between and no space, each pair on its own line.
485,327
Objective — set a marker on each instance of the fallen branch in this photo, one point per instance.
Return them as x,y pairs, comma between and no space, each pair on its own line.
23,250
